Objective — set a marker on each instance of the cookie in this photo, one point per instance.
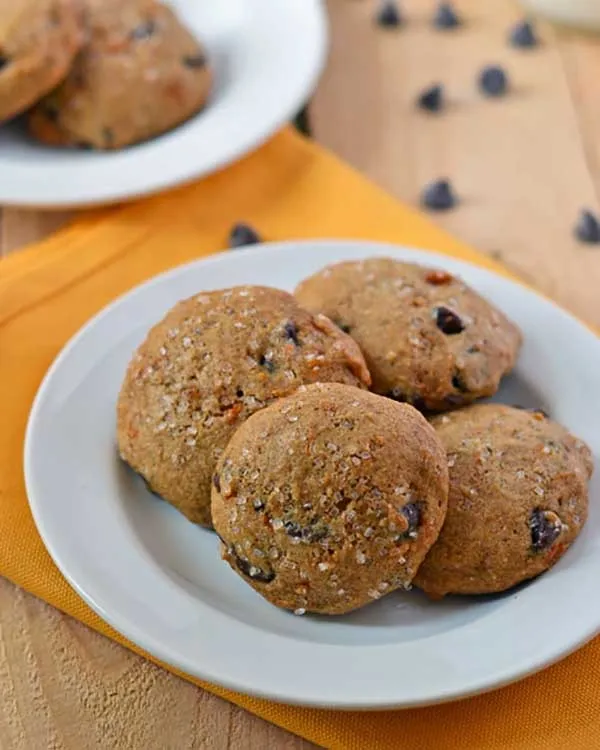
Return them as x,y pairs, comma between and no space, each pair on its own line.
329,499
428,338
141,74
38,41
518,499
214,360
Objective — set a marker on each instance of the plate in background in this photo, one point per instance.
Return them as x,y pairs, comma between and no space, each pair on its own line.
267,58
159,580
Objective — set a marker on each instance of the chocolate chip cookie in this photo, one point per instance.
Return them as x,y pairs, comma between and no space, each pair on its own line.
329,499
141,74
428,338
518,499
214,360
38,41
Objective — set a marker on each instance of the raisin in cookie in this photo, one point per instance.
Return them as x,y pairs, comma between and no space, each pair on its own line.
427,337
518,499
329,499
141,74
38,41
214,360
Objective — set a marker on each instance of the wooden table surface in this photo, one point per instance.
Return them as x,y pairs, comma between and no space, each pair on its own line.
523,166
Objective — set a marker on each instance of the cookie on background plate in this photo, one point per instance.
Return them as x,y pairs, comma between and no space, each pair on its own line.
428,338
38,41
140,74
329,499
518,499
214,360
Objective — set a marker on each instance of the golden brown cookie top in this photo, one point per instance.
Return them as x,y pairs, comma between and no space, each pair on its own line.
330,498
518,498
428,338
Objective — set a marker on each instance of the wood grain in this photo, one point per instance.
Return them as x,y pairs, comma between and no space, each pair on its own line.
64,687
523,167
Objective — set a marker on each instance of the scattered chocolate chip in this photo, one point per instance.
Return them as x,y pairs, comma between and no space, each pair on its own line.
85,145
291,332
108,137
438,278
217,482
252,571
243,234
448,321
493,81
432,99
4,61
474,349
587,228
438,196
446,17
267,363
144,30
459,383
545,527
195,61
398,395
258,504
523,35
388,16
293,529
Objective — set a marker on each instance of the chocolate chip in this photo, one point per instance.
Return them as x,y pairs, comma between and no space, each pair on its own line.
85,145
291,331
293,529
249,570
243,234
397,394
388,16
587,228
4,61
523,35
144,30
216,480
438,196
412,513
493,81
267,363
459,383
448,321
432,99
545,527
258,504
195,61
438,278
239,393
446,17
315,533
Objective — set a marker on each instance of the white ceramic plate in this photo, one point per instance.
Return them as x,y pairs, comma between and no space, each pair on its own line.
267,57
159,580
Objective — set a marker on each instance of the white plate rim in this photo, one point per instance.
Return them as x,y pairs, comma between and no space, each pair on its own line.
55,194
398,697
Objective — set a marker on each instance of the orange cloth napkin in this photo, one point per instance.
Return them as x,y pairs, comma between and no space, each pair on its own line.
290,188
